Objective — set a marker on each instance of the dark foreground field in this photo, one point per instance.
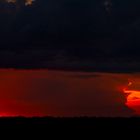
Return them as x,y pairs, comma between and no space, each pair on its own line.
50,123
84,127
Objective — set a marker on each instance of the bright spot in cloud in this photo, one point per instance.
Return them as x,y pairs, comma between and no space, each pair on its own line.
27,2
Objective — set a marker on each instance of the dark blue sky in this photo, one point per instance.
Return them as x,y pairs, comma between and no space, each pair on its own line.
90,35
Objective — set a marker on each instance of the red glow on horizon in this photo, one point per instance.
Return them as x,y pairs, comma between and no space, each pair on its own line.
57,93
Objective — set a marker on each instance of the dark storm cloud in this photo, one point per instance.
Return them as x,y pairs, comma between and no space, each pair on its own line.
72,35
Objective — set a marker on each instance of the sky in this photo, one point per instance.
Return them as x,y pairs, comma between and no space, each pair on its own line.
69,57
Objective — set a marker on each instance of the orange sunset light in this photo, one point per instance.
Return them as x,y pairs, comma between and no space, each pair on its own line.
132,93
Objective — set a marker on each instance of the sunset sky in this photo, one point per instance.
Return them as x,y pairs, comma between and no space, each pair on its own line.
69,58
